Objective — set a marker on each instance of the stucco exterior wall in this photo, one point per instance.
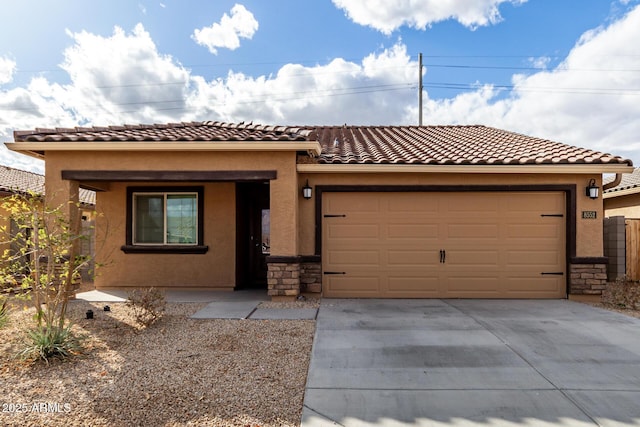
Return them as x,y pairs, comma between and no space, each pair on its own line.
216,268
627,206
293,218
588,231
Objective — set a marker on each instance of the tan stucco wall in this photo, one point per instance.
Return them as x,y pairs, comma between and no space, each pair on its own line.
216,268
292,230
627,206
588,231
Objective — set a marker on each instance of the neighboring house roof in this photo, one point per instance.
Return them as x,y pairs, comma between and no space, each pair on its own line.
23,182
425,145
630,184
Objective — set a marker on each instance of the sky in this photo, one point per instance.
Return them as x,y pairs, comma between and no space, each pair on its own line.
565,70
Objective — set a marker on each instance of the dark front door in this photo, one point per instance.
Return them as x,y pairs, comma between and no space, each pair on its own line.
253,235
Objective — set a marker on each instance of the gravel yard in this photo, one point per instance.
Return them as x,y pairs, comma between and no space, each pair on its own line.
178,372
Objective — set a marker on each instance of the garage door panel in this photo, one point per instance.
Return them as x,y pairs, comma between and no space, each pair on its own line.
526,231
496,245
405,203
474,203
412,231
367,286
410,286
472,259
462,285
354,258
345,231
532,201
528,258
339,203
542,286
473,231
422,260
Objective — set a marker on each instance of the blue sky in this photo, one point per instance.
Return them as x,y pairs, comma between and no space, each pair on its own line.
566,70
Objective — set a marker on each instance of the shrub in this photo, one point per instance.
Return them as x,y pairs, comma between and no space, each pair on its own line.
44,343
39,263
622,293
4,312
148,305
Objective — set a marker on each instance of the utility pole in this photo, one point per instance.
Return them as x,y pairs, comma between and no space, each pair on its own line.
420,89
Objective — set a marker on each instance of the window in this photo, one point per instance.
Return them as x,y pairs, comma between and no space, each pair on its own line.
165,220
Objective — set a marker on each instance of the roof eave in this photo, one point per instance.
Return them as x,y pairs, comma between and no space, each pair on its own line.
621,193
592,168
38,149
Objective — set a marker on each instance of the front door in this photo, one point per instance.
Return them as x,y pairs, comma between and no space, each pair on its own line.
253,235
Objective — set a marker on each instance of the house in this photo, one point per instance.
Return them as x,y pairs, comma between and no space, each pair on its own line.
347,211
20,182
623,198
622,225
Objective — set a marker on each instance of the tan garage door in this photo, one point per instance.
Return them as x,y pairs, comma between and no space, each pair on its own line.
444,245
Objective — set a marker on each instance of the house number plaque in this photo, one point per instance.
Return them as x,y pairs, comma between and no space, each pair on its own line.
588,214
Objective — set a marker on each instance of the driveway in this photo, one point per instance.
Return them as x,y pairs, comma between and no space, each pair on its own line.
472,363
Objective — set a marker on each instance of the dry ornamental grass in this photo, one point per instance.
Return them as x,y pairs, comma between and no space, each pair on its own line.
178,372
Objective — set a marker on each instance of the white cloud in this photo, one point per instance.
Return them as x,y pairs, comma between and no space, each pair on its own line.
592,99
121,77
335,93
227,33
387,16
7,68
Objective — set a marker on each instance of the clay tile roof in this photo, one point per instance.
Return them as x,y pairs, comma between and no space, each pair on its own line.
24,182
192,131
426,145
448,145
629,181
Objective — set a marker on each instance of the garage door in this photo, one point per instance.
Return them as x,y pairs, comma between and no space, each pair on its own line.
444,245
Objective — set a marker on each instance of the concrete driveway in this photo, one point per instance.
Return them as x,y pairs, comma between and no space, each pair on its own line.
472,363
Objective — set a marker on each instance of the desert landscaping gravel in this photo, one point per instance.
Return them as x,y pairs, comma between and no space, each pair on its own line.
178,372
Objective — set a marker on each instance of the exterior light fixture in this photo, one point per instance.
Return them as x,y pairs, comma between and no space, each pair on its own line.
592,189
306,191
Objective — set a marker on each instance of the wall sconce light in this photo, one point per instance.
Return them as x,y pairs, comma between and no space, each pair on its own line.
306,191
593,189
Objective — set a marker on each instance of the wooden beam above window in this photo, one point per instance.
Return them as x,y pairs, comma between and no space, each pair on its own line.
169,176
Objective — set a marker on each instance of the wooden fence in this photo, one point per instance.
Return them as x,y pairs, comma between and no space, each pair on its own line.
632,239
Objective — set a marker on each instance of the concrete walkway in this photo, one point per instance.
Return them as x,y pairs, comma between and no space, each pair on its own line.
221,304
472,363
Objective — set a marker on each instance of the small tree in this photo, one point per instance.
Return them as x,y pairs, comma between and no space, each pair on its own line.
39,260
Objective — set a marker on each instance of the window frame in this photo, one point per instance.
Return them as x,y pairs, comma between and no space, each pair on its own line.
173,248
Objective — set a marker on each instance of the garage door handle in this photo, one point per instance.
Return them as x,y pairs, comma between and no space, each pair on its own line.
443,256
334,272
555,273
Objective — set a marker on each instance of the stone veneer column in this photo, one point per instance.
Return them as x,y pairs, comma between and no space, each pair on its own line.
310,274
283,277
588,276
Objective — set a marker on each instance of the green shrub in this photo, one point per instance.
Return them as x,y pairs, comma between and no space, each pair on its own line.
44,343
148,305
